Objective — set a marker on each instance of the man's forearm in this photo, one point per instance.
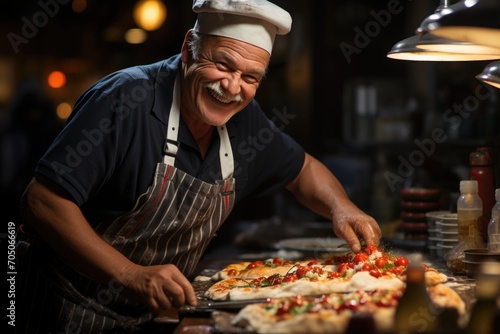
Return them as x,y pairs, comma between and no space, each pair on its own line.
61,224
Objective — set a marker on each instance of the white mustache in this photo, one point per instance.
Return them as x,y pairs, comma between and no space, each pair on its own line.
215,86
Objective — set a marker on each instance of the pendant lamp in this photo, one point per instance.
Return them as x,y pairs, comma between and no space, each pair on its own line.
427,47
491,74
473,21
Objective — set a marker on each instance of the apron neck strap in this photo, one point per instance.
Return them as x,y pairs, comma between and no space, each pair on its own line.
171,146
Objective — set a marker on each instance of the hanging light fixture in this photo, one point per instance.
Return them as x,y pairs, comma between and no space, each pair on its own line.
435,43
473,21
150,14
428,47
491,74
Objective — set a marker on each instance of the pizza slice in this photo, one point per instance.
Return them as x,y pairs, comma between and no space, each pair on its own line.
300,280
331,313
327,314
253,269
367,270
268,267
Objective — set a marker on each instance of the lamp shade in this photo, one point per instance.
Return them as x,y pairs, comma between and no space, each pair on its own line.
412,48
435,43
491,74
473,21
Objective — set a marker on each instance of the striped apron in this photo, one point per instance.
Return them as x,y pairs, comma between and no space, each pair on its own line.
173,222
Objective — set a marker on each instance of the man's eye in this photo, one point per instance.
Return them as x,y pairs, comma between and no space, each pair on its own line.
250,79
222,66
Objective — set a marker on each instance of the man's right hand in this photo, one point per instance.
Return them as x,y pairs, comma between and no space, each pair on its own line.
158,287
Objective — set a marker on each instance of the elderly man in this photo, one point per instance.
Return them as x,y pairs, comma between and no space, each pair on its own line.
149,165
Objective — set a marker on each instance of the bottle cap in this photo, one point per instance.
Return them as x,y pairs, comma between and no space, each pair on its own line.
480,157
468,186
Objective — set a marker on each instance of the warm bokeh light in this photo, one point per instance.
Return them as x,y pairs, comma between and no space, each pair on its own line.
63,110
150,14
79,5
135,36
56,79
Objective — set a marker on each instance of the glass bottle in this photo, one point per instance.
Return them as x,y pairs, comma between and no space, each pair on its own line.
494,226
469,212
484,311
481,170
415,312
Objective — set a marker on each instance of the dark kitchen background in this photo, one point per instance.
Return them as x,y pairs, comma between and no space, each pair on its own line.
379,124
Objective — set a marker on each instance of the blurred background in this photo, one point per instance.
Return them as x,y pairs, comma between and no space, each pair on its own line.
371,119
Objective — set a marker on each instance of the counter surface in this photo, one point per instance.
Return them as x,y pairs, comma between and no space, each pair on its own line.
201,321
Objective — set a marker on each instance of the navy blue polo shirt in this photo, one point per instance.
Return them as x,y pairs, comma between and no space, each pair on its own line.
106,155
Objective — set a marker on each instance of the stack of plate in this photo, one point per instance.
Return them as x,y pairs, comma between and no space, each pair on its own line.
434,237
415,203
446,232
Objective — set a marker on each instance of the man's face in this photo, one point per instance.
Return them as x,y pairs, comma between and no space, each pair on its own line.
222,80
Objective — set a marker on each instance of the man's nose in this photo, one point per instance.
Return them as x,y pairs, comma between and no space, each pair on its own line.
231,84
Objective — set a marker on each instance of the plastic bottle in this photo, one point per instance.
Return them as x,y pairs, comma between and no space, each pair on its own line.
469,212
494,226
481,169
415,313
484,311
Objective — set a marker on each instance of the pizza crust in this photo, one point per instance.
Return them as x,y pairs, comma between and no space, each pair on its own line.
443,296
223,274
254,318
432,277
238,289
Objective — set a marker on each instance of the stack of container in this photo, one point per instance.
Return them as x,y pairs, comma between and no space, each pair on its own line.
446,233
415,204
435,236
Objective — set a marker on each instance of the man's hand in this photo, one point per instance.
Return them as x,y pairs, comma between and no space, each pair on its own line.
318,189
350,223
158,287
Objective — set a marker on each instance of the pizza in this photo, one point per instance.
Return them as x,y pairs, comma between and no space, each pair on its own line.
368,270
276,286
331,313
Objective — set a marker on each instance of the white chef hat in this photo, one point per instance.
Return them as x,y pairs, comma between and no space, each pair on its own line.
256,22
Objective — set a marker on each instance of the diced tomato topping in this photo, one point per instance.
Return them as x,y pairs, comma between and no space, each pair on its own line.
297,300
284,307
350,304
312,263
255,264
369,249
366,267
232,272
332,274
278,261
401,261
276,280
375,273
317,270
302,271
258,281
290,278
342,267
381,262
360,257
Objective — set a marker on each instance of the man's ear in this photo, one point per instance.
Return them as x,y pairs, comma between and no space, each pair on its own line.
185,53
